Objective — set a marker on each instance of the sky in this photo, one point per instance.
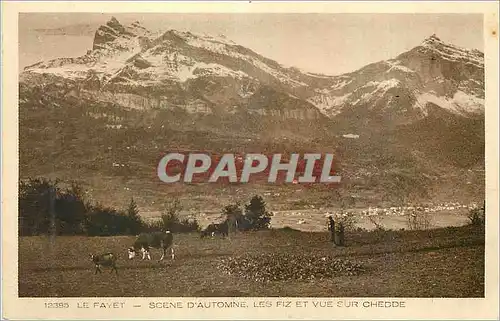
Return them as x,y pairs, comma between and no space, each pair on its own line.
321,43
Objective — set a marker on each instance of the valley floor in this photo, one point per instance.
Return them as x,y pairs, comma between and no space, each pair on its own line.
445,262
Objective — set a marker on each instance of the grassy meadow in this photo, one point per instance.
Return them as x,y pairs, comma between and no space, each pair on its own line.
444,262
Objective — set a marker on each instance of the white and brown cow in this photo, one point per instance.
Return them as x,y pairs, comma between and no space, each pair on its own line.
157,240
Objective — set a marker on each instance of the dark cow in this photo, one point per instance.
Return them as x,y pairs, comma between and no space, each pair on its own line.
209,230
157,240
106,259
220,228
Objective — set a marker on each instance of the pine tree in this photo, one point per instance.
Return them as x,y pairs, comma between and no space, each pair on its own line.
256,213
135,219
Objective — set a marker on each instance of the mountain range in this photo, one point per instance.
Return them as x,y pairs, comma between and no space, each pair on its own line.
411,126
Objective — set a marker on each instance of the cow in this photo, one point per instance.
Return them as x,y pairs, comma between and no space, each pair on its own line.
209,230
157,240
106,259
221,228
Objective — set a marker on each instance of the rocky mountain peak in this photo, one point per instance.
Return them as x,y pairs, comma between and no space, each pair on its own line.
433,39
114,23
434,73
435,46
138,29
113,34
108,33
136,24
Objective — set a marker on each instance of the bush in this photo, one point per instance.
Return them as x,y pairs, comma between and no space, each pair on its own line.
418,219
187,226
106,221
175,225
170,220
476,216
289,229
153,226
345,218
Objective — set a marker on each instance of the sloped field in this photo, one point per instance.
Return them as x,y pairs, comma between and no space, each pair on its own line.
436,263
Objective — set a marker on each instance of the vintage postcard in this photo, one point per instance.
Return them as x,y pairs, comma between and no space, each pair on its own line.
250,160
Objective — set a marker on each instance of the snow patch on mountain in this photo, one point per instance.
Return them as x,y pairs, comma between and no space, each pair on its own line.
73,71
225,48
380,88
278,75
341,84
383,85
468,103
245,92
204,39
176,66
327,103
118,60
219,70
331,104
315,75
396,65
461,103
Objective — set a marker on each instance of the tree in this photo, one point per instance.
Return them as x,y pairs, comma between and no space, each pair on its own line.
133,215
256,214
71,210
418,219
235,217
170,216
477,215
106,221
34,205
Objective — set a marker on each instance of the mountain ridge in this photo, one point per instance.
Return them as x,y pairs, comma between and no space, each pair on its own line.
141,59
418,117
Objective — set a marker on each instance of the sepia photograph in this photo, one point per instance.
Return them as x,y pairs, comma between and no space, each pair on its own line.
251,154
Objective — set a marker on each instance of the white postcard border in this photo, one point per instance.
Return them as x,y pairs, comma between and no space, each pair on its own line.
416,308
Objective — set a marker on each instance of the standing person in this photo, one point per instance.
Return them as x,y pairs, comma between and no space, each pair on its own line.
331,228
340,235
